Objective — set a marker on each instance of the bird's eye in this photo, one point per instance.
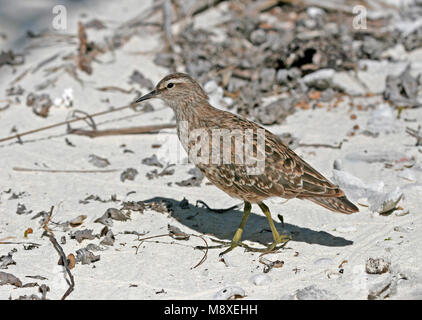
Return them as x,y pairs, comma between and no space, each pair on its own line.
170,85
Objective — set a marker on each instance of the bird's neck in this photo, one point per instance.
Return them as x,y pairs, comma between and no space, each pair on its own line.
192,112
191,116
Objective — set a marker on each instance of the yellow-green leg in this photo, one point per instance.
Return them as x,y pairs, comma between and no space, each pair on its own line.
238,235
276,236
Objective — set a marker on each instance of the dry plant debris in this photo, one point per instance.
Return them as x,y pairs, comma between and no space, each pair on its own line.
61,253
306,57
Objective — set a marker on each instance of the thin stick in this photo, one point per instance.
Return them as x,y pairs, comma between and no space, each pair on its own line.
169,235
61,253
112,132
320,145
415,133
201,6
13,242
114,88
270,264
140,18
62,171
205,254
217,210
20,77
45,62
19,135
167,24
147,238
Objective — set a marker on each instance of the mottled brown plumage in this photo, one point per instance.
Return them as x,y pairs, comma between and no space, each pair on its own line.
285,174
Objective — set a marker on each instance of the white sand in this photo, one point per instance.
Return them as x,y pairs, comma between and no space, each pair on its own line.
322,240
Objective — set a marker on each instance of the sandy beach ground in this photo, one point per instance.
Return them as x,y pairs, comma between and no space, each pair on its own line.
328,255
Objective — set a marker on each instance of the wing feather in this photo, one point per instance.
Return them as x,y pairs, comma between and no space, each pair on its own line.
285,174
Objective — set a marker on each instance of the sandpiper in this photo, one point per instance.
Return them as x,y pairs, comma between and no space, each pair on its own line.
283,173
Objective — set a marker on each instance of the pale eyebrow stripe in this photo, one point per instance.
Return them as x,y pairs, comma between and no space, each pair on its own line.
176,81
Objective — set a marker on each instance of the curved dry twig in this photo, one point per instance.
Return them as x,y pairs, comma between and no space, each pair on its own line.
62,255
62,171
217,210
205,254
87,119
169,235
268,263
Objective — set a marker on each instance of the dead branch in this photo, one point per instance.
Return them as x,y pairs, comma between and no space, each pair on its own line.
19,135
170,235
320,145
268,263
83,58
167,24
18,242
335,6
217,210
45,62
118,89
20,77
416,134
59,249
140,18
202,5
205,253
122,131
62,171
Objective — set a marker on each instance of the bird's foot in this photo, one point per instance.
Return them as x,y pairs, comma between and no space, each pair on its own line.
222,244
277,244
282,239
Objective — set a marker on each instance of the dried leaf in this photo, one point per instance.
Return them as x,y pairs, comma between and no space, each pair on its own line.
77,221
8,278
28,231
177,234
81,235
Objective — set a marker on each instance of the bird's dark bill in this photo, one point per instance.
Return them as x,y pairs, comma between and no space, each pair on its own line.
147,96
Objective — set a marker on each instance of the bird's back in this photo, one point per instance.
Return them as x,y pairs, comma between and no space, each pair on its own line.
283,173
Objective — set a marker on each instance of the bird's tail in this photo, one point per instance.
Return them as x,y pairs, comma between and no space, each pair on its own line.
340,204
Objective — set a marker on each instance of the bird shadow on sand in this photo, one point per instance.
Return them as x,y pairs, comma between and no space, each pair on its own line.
224,225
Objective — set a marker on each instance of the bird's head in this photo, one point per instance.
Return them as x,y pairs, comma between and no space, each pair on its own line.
177,89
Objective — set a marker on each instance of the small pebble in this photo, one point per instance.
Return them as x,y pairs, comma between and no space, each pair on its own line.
401,212
314,12
312,293
258,37
377,266
400,229
333,274
260,279
229,292
282,76
338,165
227,261
98,161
